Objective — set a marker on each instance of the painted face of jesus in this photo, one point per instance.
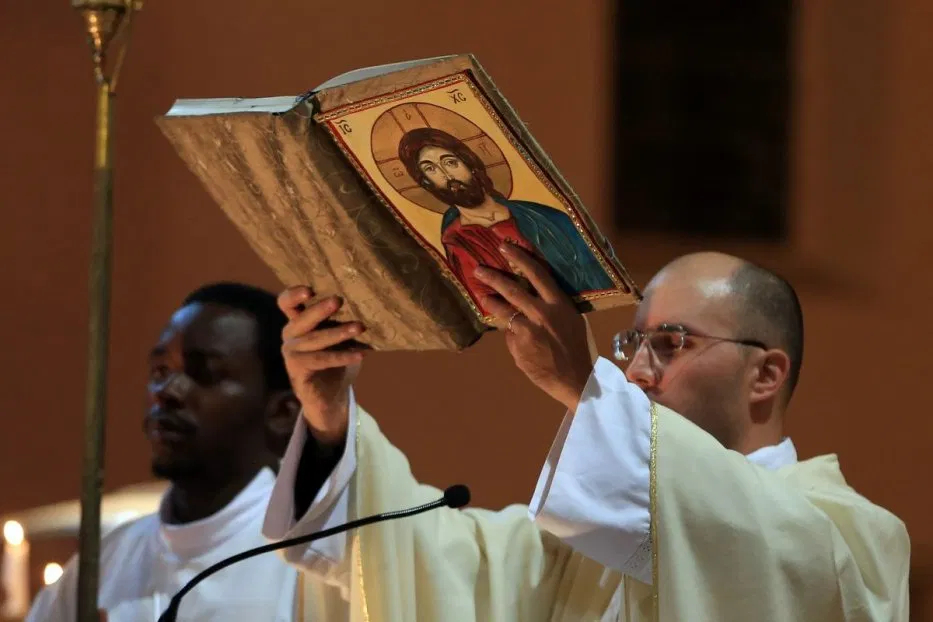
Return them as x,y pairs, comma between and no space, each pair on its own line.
448,178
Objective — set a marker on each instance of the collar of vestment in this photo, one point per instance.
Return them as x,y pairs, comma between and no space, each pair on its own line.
775,456
778,457
193,539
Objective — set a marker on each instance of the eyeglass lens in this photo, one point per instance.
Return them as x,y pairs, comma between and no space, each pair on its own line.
663,344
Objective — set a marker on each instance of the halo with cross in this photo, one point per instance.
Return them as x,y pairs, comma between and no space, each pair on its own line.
395,122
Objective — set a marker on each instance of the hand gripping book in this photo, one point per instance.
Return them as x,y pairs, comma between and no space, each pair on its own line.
388,186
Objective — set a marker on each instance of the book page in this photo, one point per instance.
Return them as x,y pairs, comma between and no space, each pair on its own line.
365,73
284,103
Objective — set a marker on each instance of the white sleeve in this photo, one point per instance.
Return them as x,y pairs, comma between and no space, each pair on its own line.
594,490
326,558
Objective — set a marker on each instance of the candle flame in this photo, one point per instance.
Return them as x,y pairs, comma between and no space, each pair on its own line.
13,533
52,573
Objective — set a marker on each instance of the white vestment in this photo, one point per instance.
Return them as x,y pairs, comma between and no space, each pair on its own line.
144,562
642,516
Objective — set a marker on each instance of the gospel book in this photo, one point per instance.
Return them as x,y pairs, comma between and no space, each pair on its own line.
388,186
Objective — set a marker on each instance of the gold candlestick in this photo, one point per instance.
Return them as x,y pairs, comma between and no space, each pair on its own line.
104,21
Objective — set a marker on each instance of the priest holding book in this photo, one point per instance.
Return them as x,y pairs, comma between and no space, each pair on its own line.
670,492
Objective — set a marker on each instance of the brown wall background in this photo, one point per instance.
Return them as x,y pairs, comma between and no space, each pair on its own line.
860,256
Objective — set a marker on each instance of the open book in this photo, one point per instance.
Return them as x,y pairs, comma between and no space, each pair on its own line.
388,186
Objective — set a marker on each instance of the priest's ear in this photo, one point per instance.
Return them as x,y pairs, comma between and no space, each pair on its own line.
282,411
769,375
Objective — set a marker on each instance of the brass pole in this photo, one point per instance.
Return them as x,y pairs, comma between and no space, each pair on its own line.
98,340
103,20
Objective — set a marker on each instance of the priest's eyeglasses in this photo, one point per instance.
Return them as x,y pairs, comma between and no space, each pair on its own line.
663,343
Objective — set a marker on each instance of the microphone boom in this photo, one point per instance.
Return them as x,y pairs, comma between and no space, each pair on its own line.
454,497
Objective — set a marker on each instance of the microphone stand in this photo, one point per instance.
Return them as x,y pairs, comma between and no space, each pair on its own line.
454,497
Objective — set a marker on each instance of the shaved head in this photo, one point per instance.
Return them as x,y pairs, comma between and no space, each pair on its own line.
767,309
741,359
765,306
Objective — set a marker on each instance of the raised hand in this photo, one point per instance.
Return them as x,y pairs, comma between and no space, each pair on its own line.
319,364
545,334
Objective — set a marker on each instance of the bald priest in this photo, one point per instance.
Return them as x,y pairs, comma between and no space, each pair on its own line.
670,493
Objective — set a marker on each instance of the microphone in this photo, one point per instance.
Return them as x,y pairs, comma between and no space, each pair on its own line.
454,497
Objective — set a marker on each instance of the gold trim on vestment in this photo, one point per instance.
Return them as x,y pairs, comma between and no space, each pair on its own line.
357,550
300,614
653,509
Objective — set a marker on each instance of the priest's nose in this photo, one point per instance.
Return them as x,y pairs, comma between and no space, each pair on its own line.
641,370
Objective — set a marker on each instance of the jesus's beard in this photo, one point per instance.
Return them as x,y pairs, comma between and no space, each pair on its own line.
469,194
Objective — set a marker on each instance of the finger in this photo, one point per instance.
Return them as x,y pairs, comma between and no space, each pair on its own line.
505,313
536,272
307,320
311,362
498,308
317,340
509,289
291,300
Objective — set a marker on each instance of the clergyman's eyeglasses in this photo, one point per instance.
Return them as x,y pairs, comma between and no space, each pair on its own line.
664,342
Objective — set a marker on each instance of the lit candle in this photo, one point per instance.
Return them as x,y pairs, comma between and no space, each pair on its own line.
15,570
52,573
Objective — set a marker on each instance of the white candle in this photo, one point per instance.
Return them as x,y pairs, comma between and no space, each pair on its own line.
15,571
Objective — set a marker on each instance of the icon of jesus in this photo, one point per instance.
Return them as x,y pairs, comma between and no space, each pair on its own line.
480,219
